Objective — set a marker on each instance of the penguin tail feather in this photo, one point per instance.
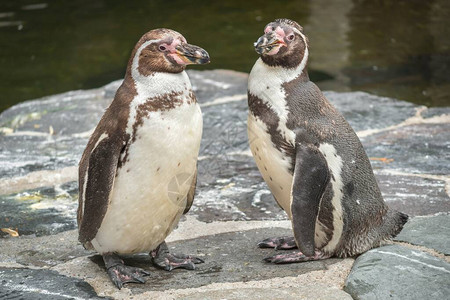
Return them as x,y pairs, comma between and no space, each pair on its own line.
400,220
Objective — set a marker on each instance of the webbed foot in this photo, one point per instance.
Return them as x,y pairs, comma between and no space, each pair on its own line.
281,243
295,257
120,273
163,259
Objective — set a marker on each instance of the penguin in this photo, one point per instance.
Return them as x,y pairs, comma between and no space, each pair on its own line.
311,159
138,172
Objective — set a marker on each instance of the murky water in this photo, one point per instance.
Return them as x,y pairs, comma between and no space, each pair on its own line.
392,48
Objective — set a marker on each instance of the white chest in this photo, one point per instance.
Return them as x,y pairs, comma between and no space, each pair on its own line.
266,83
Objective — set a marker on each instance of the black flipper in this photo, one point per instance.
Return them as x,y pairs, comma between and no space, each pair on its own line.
311,176
101,166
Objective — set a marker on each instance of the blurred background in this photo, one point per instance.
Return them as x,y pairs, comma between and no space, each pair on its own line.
392,48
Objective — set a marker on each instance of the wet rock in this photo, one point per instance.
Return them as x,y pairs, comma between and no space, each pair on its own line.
23,154
30,284
414,195
431,232
42,211
396,272
365,111
51,133
419,148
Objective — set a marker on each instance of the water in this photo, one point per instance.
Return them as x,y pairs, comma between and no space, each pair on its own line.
392,48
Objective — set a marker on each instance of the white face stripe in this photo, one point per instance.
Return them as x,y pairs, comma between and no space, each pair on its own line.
135,66
298,31
335,163
305,56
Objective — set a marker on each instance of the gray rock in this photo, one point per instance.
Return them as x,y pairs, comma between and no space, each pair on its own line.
312,292
230,186
413,195
45,251
229,257
396,272
51,133
435,111
365,111
419,149
43,211
431,232
29,284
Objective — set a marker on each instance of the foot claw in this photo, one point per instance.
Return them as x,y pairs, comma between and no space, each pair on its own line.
281,243
121,274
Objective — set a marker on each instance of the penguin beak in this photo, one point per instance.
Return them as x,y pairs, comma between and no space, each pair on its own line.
269,43
191,54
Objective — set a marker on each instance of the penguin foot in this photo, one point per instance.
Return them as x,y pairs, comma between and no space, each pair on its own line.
163,259
281,243
295,257
120,273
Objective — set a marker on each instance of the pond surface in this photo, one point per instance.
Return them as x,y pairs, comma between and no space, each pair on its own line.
399,49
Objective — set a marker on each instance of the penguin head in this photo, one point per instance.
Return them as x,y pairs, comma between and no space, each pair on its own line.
165,50
283,44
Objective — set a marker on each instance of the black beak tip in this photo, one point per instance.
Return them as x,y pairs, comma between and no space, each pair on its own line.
259,45
205,58
259,50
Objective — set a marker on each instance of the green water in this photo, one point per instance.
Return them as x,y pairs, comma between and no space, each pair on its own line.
392,48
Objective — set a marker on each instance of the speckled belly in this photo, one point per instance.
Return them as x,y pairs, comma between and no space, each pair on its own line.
149,194
273,165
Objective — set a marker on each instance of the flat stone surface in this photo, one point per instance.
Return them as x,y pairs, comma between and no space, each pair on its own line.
229,257
45,251
419,148
431,232
42,211
30,284
365,111
413,195
396,272
313,292
22,154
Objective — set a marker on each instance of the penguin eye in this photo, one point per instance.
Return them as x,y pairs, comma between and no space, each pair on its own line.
291,37
162,48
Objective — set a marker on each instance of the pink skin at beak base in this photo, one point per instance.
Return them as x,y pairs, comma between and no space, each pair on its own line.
280,34
174,54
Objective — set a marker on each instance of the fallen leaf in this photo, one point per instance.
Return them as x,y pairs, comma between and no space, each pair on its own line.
382,159
28,196
231,184
9,231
